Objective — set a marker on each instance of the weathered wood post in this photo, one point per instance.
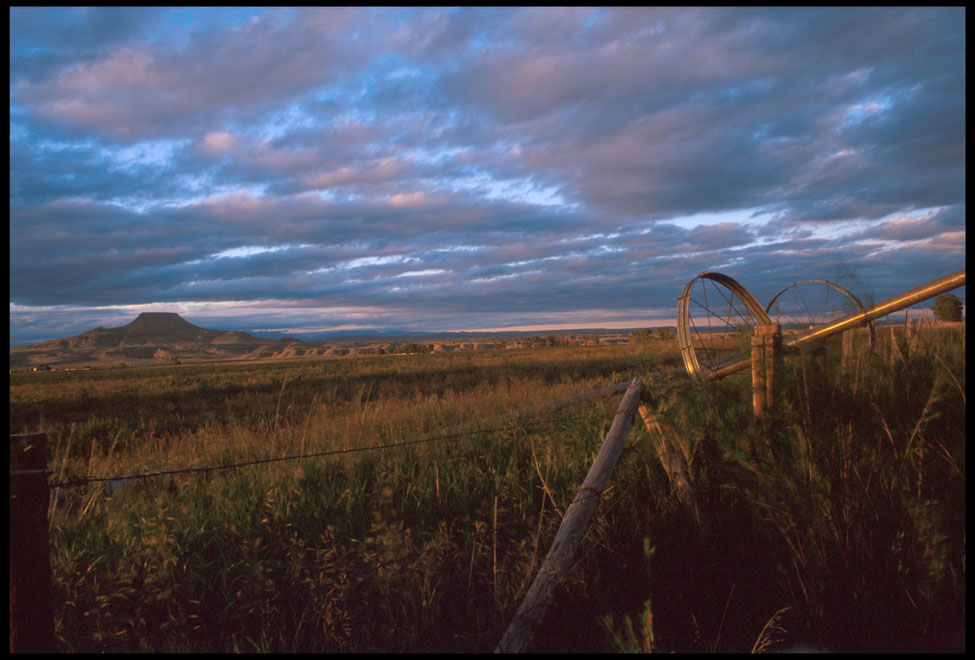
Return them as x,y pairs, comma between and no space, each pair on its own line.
848,361
520,634
674,455
766,347
31,607
758,375
773,352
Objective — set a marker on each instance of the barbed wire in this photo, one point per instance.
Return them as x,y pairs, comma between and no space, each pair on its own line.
79,481
195,621
132,636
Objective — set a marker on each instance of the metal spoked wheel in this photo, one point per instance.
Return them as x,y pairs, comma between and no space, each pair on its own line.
715,315
803,306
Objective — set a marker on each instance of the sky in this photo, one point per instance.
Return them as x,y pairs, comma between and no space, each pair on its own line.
309,170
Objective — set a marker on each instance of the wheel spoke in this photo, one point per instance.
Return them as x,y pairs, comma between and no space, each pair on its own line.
714,310
815,303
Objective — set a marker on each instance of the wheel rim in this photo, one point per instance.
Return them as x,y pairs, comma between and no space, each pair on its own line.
714,312
803,306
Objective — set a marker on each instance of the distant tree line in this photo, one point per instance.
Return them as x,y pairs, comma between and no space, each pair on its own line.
646,335
538,341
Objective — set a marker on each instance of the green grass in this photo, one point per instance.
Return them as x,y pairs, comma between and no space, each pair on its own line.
839,524
848,507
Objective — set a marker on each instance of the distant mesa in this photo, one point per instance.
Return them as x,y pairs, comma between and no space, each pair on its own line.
162,324
157,338
154,336
148,328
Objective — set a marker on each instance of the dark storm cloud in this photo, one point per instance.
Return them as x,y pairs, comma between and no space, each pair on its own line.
440,167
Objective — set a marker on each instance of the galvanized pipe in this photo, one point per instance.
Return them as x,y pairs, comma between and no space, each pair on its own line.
893,304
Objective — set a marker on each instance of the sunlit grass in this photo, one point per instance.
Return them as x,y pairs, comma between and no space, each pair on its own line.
839,524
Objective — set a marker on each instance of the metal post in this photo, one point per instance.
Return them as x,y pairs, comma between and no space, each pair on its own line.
31,607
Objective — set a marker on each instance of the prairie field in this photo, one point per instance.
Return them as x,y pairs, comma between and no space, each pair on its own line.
837,525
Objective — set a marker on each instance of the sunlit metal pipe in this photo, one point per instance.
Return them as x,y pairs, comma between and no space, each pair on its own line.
898,302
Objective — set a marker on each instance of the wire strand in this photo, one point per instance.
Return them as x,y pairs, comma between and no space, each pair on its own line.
76,482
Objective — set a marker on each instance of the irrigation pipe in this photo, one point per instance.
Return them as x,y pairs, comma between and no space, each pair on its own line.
883,308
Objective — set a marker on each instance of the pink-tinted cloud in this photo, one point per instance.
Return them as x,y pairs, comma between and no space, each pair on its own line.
551,160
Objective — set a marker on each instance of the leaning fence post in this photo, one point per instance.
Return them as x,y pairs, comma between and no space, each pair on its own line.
520,634
673,454
31,607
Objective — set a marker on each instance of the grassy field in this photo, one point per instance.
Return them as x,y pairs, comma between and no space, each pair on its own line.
837,525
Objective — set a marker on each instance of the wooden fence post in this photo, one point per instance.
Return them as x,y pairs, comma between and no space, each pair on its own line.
773,353
674,456
766,348
520,634
848,361
758,376
31,606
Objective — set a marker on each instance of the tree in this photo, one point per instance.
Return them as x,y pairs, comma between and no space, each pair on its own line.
664,334
642,336
947,307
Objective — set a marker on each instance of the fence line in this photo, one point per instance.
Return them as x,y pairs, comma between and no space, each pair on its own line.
32,615
31,603
521,631
459,430
36,627
74,482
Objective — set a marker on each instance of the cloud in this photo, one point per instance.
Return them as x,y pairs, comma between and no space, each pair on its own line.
218,143
447,166
148,90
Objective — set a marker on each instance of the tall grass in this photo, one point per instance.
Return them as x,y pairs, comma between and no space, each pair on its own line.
839,524
848,506
420,548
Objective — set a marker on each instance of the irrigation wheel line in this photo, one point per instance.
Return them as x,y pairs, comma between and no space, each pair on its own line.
711,311
809,304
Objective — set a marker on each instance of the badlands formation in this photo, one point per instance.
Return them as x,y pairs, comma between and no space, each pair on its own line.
153,337
166,337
